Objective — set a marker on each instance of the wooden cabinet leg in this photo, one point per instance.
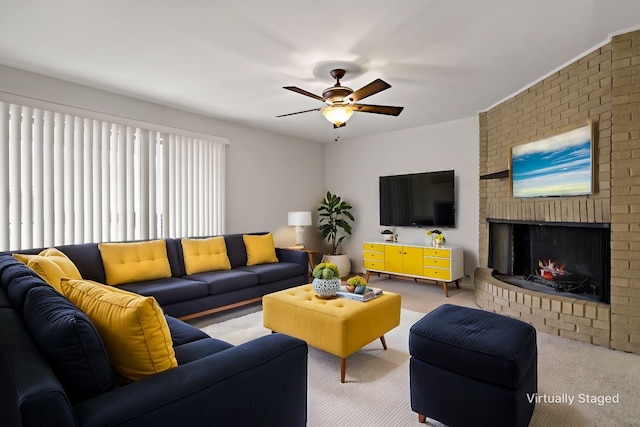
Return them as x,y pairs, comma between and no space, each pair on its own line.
458,283
368,275
446,289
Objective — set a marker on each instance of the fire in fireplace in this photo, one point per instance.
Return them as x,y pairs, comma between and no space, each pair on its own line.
566,258
560,279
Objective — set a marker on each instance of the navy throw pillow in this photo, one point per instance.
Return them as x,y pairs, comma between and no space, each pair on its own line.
70,342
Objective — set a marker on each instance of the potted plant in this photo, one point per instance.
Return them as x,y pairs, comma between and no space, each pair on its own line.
326,280
437,237
356,284
388,235
334,214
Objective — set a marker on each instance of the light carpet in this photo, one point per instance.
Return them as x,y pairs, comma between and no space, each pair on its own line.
376,392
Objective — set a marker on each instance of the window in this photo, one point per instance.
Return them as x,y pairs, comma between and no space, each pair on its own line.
68,179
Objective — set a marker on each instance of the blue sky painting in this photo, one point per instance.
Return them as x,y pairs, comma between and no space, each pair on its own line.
557,166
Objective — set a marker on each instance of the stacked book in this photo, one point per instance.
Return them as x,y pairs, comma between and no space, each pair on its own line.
369,293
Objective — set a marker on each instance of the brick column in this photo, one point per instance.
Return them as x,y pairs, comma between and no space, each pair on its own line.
625,193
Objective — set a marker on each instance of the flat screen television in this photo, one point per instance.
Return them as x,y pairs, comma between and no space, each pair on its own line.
425,199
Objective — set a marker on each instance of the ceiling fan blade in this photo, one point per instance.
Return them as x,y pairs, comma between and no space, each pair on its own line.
300,112
303,92
372,88
378,109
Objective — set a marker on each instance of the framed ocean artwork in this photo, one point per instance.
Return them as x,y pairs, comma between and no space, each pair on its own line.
561,165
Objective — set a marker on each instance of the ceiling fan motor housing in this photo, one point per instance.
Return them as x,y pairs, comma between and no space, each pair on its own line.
336,94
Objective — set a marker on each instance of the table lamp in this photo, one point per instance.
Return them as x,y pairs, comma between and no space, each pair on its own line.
299,220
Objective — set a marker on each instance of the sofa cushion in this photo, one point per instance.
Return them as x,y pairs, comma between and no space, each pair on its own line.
45,268
11,268
51,265
86,257
196,350
219,282
260,249
268,273
236,250
135,262
68,339
169,291
182,332
20,286
133,328
205,255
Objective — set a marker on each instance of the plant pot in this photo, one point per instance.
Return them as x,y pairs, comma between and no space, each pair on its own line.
326,288
342,261
360,289
350,288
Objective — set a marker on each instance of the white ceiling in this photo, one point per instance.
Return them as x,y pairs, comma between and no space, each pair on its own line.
445,60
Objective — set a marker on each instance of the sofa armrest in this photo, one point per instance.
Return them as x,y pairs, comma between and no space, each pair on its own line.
262,382
293,255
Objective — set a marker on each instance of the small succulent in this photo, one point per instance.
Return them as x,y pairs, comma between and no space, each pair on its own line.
356,281
326,271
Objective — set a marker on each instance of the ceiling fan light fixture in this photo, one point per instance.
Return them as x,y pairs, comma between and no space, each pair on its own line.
338,115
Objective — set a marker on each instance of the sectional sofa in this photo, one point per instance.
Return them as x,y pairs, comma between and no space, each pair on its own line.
74,352
186,294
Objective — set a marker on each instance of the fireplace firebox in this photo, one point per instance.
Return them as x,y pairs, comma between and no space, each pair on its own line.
570,259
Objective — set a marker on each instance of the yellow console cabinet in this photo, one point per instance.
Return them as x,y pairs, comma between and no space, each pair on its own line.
443,265
405,260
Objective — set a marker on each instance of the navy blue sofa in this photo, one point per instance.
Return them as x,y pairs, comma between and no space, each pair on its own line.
188,296
54,371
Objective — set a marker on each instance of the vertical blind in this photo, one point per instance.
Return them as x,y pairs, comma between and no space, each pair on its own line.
66,179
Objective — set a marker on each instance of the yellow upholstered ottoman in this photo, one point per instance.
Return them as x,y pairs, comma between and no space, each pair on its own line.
338,326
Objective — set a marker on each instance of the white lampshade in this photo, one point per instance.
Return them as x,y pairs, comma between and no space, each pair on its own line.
337,115
299,218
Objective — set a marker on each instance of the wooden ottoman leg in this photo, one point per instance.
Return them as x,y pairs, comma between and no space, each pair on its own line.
384,342
343,368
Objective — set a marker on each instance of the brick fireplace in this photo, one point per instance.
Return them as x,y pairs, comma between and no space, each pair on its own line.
603,86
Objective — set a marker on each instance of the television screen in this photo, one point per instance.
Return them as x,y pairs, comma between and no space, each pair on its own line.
424,199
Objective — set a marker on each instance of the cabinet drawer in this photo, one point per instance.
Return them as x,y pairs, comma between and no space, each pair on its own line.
377,247
373,265
373,256
437,262
437,252
438,274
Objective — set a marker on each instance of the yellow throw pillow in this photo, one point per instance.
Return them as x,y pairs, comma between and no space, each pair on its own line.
134,262
260,249
51,265
205,255
132,327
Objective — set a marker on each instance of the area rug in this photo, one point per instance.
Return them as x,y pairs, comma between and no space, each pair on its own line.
376,392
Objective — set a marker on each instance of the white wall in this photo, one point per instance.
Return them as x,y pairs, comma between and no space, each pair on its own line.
267,174
352,169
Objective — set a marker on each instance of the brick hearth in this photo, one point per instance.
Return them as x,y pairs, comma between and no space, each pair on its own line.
603,86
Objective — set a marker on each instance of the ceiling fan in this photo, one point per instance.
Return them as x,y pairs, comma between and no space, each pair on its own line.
342,101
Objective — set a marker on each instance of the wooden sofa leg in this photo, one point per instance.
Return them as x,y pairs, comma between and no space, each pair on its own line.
422,418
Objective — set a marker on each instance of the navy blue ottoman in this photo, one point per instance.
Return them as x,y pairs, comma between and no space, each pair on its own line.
470,367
